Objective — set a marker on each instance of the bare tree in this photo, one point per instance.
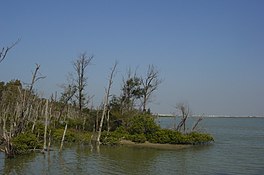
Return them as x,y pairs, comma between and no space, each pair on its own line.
27,99
35,77
22,109
185,112
106,101
5,50
80,66
149,84
197,122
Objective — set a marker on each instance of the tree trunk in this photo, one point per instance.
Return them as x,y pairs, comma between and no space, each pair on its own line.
196,124
102,118
63,137
108,121
49,140
106,99
46,126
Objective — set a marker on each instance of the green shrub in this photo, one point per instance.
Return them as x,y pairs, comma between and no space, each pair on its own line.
83,137
138,138
199,138
24,142
75,123
160,136
113,138
69,137
38,129
143,128
142,124
176,137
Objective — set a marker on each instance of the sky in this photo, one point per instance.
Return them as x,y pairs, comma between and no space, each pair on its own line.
209,53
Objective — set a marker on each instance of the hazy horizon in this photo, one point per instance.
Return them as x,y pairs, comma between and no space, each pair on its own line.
210,54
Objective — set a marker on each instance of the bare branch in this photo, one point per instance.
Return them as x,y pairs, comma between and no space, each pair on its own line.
80,66
5,50
150,84
185,112
35,77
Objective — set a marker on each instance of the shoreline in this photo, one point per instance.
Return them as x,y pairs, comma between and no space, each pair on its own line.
154,145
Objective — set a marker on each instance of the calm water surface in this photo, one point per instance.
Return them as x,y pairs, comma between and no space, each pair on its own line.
238,149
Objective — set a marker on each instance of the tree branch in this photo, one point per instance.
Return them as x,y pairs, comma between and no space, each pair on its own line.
5,50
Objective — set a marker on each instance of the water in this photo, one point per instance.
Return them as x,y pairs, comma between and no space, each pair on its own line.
238,149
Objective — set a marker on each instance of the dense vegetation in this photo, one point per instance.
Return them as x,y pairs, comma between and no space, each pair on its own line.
29,122
142,128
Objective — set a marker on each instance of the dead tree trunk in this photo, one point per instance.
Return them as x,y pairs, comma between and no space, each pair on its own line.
106,99
80,66
196,124
63,136
46,126
184,109
108,121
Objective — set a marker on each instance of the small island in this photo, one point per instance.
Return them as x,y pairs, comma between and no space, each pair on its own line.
29,122
142,131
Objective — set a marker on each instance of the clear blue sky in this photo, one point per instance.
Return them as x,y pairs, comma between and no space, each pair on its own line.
210,53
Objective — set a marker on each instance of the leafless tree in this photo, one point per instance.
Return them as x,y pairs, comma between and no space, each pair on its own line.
5,50
27,100
36,76
80,66
106,100
22,110
197,122
149,84
185,112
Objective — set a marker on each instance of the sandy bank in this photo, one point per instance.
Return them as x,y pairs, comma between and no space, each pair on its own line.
154,145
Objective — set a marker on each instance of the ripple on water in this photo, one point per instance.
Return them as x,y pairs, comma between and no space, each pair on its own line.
238,149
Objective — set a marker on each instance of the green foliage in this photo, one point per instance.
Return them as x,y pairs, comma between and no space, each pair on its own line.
199,138
113,138
110,139
39,129
24,142
76,123
143,128
160,136
71,136
138,138
10,92
142,124
83,137
176,137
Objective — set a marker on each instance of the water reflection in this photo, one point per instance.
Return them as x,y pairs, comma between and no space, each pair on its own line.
129,160
238,150
17,165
